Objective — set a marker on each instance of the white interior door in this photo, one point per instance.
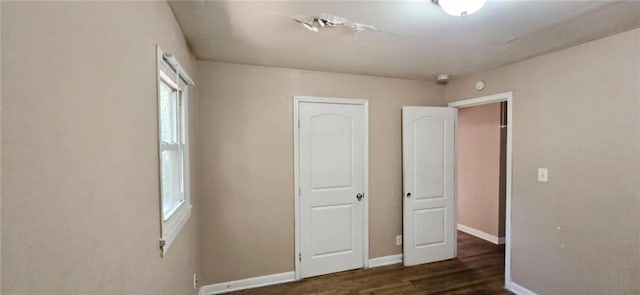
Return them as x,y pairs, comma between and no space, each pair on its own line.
332,139
428,138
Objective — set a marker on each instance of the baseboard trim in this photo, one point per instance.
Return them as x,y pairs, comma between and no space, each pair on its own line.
480,234
519,290
249,283
385,260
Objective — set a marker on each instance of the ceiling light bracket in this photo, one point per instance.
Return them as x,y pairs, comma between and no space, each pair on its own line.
325,20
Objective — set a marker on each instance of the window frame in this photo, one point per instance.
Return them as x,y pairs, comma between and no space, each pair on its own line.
171,73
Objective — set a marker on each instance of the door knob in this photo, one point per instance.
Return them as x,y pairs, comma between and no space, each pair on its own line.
408,195
359,196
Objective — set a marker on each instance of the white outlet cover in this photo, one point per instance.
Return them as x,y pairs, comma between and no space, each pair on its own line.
399,240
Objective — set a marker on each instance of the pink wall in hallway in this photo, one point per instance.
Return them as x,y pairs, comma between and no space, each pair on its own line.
479,169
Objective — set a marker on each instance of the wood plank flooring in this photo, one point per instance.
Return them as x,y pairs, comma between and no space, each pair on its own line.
479,269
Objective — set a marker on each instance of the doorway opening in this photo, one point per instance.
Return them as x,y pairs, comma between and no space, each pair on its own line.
484,165
481,167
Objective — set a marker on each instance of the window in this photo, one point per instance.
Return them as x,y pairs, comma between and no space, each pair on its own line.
173,125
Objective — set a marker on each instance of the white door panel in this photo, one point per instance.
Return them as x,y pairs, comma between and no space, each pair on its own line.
332,163
428,136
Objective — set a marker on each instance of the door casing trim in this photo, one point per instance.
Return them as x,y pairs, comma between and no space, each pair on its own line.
499,97
296,173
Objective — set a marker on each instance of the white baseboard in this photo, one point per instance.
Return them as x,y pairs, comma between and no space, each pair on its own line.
280,278
480,234
385,260
249,283
520,290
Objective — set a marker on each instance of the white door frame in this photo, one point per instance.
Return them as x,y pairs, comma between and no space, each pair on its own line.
296,171
500,97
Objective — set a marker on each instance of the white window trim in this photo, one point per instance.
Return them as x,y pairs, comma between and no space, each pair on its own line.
175,221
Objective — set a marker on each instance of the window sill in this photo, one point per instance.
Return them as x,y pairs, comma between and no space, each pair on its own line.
172,227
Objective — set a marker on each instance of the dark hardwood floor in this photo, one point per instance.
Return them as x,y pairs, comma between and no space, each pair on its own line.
479,269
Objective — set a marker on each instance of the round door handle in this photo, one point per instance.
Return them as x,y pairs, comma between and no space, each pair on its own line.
359,196
408,195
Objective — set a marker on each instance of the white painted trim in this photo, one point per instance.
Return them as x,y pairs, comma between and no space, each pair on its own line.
520,290
500,97
296,190
365,213
175,64
385,260
455,182
249,283
171,225
480,234
296,173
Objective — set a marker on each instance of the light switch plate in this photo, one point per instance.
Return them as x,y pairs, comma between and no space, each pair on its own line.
543,175
399,240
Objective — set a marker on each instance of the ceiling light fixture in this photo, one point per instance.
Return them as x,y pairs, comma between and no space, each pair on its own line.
460,7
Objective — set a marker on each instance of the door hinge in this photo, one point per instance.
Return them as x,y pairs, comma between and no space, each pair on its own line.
300,256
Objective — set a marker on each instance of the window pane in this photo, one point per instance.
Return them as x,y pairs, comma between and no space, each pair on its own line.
171,184
168,111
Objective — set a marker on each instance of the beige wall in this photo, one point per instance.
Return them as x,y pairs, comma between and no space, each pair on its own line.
576,112
80,209
478,168
246,161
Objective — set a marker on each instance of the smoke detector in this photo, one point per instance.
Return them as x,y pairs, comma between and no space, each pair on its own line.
442,79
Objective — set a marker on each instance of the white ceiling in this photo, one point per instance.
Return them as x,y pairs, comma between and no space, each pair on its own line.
418,40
